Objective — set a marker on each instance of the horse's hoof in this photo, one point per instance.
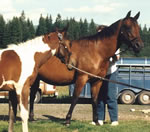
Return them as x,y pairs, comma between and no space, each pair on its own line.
31,119
67,124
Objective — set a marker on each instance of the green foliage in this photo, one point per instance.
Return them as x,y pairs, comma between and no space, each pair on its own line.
6,36
83,28
74,29
22,29
92,28
2,29
58,22
16,30
31,30
49,24
57,125
41,29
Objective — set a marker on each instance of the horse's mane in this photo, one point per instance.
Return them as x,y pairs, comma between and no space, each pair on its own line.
106,32
109,31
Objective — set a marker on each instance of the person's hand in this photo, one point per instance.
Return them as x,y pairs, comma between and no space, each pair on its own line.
114,58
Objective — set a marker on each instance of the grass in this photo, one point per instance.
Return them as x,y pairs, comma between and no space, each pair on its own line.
78,126
57,124
63,91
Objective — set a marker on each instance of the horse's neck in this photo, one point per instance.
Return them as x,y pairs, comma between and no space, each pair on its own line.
112,44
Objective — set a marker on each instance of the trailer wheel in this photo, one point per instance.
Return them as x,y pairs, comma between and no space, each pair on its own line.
37,97
127,97
144,98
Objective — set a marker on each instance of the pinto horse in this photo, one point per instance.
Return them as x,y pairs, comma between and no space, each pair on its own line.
92,55
19,65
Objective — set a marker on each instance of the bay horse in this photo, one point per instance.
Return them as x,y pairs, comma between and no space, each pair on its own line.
92,54
19,65
53,71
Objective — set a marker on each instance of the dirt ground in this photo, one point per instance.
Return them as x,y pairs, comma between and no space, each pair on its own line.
81,112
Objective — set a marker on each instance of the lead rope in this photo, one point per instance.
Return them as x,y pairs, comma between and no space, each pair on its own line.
105,79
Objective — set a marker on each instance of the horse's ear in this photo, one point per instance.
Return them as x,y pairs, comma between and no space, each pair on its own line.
128,14
137,16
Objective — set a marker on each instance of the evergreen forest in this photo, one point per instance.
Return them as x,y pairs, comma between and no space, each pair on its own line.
21,29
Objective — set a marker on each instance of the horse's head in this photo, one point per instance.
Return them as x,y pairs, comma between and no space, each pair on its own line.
54,39
64,51
130,32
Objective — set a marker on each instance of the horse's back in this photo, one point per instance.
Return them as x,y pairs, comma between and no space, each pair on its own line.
10,66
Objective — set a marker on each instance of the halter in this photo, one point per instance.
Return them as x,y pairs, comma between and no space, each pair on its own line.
61,41
126,37
60,36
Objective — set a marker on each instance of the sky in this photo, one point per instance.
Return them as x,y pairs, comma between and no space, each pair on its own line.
101,11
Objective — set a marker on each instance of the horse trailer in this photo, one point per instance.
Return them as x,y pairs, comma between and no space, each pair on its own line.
132,71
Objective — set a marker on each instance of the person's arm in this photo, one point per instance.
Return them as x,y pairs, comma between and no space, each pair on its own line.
116,57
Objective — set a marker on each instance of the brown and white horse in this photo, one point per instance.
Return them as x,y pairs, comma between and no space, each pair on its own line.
92,54
19,65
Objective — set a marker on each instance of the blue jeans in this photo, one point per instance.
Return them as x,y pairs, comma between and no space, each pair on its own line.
108,95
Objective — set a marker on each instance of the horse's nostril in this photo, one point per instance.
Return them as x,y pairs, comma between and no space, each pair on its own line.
137,45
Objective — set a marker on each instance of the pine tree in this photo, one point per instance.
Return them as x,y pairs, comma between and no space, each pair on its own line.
7,35
31,29
71,29
49,24
92,28
24,27
58,22
41,29
83,28
76,29
15,30
2,29
145,29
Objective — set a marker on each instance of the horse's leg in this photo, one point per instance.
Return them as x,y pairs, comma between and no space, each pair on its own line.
95,88
12,109
80,82
24,106
33,91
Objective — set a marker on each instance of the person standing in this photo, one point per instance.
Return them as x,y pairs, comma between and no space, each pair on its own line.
108,94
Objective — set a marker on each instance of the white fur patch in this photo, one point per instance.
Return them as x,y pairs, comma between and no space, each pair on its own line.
26,52
11,82
53,52
24,116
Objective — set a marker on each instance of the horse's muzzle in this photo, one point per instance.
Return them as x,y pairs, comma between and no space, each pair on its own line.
137,47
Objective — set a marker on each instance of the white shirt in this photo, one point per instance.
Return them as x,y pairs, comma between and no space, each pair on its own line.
112,65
